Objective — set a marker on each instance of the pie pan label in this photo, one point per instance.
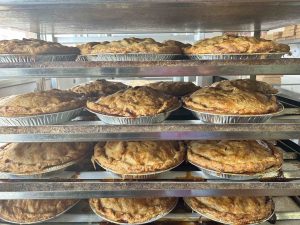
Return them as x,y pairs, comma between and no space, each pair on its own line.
137,175
128,57
43,119
145,222
21,58
210,117
43,220
211,217
276,55
132,120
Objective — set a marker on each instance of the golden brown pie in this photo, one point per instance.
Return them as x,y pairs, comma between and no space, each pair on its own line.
131,45
34,47
174,88
30,211
132,210
232,44
22,158
234,156
134,102
99,88
246,85
36,103
233,210
234,100
138,157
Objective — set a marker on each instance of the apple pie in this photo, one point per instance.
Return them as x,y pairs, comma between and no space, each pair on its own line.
131,45
233,100
134,102
246,85
232,44
32,211
132,210
139,157
239,157
174,88
27,158
99,88
35,47
43,102
233,210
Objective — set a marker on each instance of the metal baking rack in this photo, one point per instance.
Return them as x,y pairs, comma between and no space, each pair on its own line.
90,16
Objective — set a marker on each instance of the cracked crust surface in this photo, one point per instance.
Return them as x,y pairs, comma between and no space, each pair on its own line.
132,45
34,47
232,44
132,210
233,210
30,211
137,157
174,88
246,85
233,100
99,88
134,102
36,157
43,102
239,157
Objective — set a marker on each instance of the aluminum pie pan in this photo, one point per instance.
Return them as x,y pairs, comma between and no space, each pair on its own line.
46,173
138,176
21,58
128,57
276,55
211,217
235,176
42,119
149,221
109,119
209,117
40,221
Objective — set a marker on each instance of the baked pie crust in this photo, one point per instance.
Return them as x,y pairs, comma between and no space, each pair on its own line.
233,210
240,157
99,88
233,100
34,47
31,211
132,210
174,88
232,44
138,157
131,45
22,158
246,85
134,102
43,102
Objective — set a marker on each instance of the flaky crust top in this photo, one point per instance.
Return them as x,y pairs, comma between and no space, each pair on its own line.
222,100
43,102
233,44
233,210
174,88
134,102
99,88
132,210
34,47
36,157
244,157
131,45
29,211
136,157
246,85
